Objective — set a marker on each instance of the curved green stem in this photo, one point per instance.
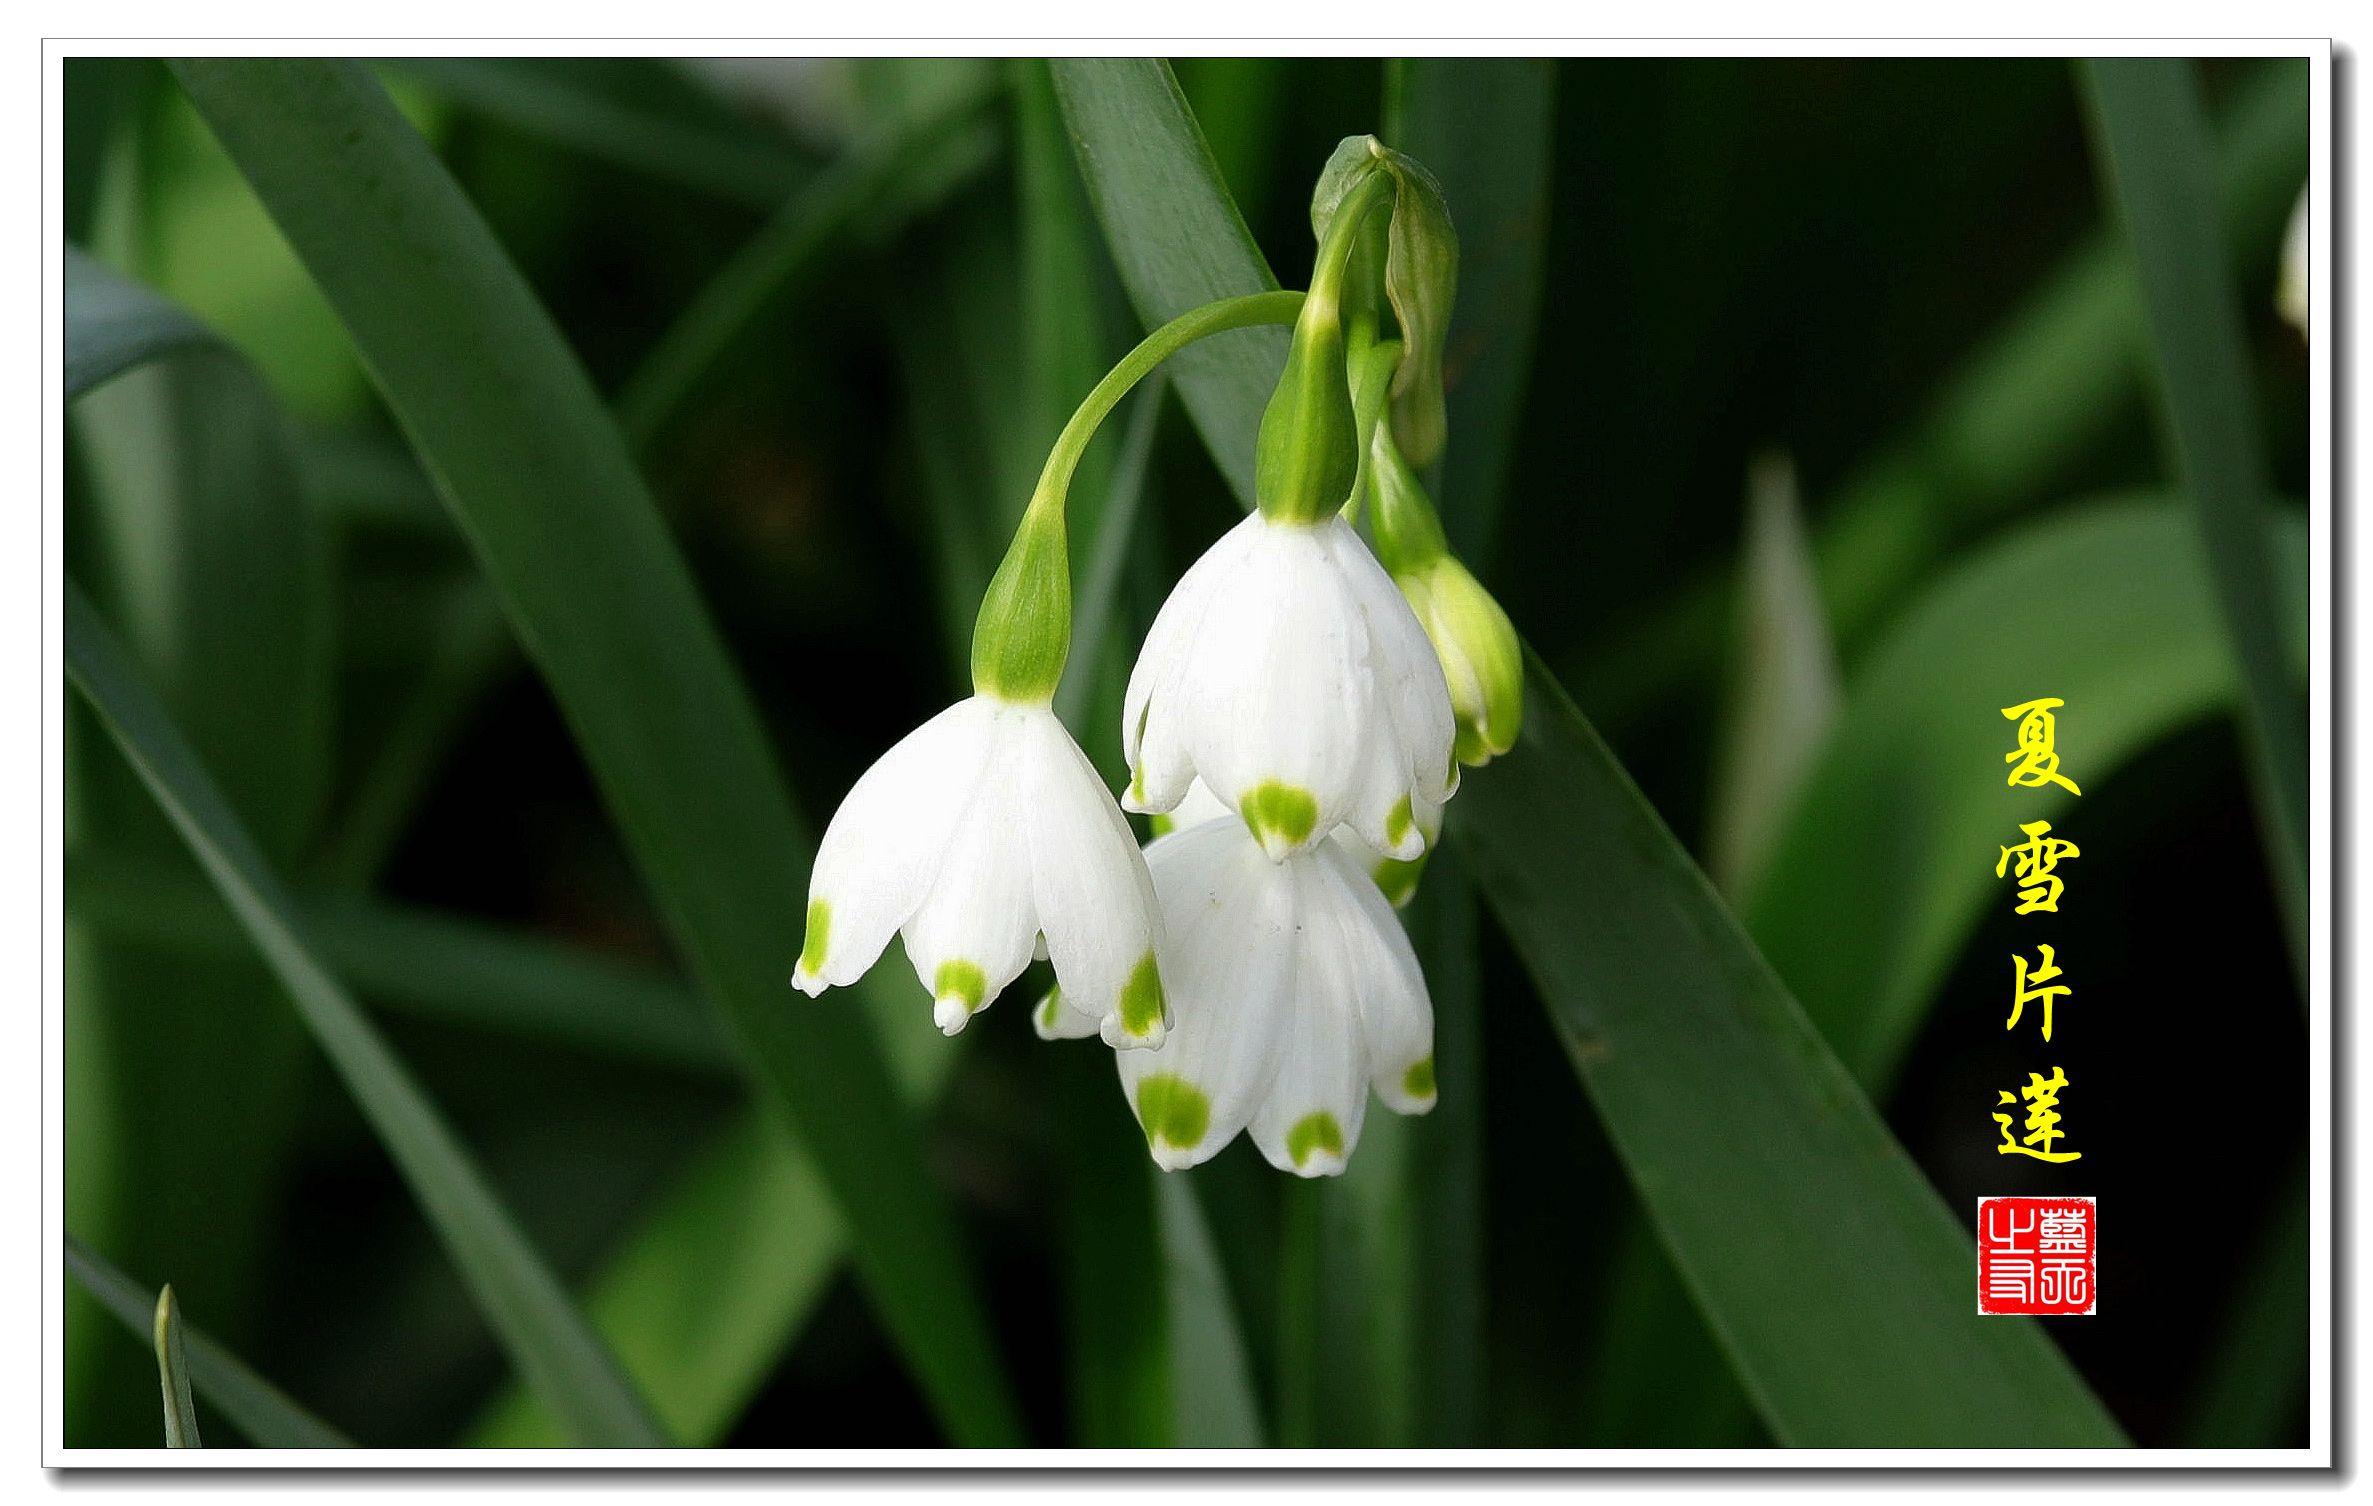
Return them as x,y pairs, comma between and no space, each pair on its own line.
1022,637
1054,482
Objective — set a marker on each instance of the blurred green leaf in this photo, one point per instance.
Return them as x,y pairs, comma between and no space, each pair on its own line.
882,174
257,1407
437,966
194,526
1211,1374
112,324
1177,239
1483,126
2256,1379
2154,144
639,123
539,477
207,545
173,1374
1835,1277
546,1336
1784,693
2012,418
1879,874
472,647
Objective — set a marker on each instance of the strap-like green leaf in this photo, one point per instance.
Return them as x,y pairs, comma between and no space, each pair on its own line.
1835,1277
113,324
1784,687
689,139
173,1374
2109,609
1177,238
422,962
547,1337
507,424
260,1409
2155,145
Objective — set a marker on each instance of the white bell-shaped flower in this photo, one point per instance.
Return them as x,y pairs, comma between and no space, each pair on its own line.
1292,990
983,835
1287,671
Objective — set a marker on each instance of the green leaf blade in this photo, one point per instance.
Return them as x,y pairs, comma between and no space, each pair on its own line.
545,1334
2163,170
258,1408
1839,1283
1177,239
512,433
1862,907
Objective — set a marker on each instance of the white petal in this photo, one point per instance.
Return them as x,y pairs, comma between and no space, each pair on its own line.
1383,810
1094,899
1198,806
1311,1119
976,929
1055,1020
1356,931
1406,670
1152,734
1281,702
882,851
1229,917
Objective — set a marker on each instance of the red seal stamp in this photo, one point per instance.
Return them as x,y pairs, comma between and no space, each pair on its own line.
2035,1255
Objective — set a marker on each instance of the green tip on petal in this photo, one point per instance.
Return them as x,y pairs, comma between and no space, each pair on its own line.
962,981
1314,1132
1047,1007
1142,1005
1397,821
1418,1081
1398,877
819,936
1281,816
1173,1111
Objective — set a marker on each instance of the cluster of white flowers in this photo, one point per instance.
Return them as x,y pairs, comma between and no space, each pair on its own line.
1294,725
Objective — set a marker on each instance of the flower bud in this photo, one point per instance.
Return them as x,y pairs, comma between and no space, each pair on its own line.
1482,659
1480,654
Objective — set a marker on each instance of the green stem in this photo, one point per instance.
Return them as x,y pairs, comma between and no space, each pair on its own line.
1054,482
1022,637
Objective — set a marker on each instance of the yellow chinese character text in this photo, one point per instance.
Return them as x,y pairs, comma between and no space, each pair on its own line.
2038,764
2043,1119
2038,890
2027,994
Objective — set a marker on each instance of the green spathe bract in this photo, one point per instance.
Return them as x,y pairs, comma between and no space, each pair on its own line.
1420,278
1023,634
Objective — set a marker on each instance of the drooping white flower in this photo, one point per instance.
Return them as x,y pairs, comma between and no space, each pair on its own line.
1287,671
984,834
1293,991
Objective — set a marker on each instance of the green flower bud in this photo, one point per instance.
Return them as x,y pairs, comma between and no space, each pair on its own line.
1481,657
1420,278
